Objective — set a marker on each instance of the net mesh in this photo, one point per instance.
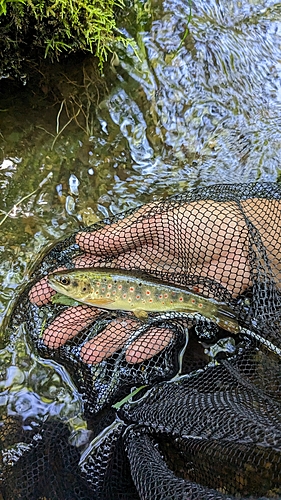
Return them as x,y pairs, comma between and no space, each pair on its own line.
206,421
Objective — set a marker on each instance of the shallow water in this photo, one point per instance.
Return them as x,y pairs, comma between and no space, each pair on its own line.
176,117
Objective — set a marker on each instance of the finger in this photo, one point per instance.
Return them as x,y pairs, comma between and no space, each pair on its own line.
41,293
117,334
111,240
68,324
106,343
149,344
86,260
124,235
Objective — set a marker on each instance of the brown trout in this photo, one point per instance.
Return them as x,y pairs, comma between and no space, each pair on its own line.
138,293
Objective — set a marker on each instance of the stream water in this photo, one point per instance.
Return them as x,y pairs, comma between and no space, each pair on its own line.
197,102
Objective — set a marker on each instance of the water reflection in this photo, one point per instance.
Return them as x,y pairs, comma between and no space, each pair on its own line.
214,106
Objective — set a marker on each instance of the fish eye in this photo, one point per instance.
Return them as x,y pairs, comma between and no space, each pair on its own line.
64,280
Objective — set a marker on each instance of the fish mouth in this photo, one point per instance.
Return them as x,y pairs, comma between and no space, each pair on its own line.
52,279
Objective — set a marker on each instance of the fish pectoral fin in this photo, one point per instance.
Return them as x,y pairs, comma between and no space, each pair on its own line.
100,302
140,314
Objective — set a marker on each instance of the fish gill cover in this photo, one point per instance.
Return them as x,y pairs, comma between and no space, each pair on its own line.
176,407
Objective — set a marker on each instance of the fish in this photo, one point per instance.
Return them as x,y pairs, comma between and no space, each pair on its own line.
139,293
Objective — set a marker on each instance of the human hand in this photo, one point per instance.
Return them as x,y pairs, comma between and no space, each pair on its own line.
202,239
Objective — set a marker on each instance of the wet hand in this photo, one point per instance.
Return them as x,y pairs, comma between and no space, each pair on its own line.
204,239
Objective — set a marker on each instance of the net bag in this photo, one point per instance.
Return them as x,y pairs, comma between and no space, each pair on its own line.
203,420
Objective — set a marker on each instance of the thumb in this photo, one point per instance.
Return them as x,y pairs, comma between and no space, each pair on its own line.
127,234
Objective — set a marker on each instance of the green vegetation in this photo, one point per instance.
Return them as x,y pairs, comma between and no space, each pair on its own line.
51,28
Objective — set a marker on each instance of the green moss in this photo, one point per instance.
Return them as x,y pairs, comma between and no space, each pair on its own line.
51,28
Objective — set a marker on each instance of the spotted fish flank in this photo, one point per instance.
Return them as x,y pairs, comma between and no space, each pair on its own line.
139,293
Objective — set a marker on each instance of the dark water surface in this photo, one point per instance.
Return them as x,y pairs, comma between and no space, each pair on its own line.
206,112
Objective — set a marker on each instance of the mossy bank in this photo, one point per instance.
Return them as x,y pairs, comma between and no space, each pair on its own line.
32,30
